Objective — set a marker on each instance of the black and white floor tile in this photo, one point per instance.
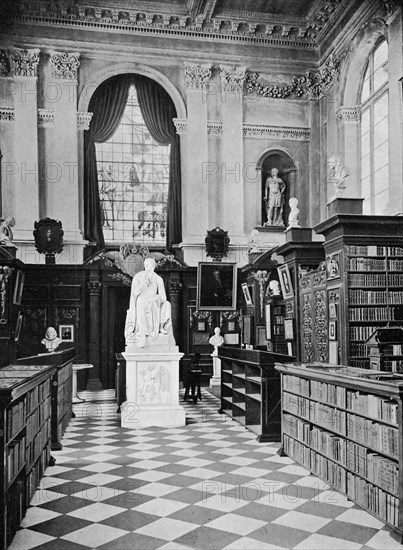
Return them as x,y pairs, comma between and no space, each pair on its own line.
207,485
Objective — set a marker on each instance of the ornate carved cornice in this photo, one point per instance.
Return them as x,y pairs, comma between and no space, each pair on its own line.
23,62
197,75
349,114
390,6
276,132
84,120
321,16
214,127
313,85
232,78
181,125
177,20
65,65
7,114
46,117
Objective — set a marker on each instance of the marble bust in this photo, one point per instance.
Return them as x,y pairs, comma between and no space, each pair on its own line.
216,340
51,340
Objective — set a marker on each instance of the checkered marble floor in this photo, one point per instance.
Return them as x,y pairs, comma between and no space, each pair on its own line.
207,485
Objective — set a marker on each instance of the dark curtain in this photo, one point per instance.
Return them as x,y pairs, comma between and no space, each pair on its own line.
158,111
108,104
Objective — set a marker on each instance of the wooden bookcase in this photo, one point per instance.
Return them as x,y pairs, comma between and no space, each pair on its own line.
62,386
250,390
364,282
25,441
344,424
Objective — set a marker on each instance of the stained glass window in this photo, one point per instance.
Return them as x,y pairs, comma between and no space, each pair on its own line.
133,176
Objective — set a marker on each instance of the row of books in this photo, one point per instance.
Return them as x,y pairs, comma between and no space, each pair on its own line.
296,384
358,350
15,509
367,280
380,437
375,406
329,471
395,297
362,332
371,314
37,395
359,363
15,418
380,470
34,476
334,395
296,450
296,404
389,365
37,418
15,458
369,296
373,498
395,279
366,264
327,417
371,250
395,265
36,446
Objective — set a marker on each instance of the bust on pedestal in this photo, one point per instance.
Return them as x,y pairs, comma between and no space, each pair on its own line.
215,382
152,357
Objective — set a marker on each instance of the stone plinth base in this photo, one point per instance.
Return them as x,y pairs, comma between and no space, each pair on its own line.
152,385
344,205
215,386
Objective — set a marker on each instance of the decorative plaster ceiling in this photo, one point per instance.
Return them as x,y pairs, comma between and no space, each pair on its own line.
289,23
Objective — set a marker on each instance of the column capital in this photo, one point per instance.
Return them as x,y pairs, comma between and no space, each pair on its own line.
349,114
65,65
84,120
23,62
181,125
197,75
232,78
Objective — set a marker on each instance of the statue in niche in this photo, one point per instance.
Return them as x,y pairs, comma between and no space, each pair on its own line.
216,340
51,340
149,312
6,232
274,198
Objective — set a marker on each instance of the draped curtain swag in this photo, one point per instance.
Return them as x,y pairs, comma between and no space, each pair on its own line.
107,105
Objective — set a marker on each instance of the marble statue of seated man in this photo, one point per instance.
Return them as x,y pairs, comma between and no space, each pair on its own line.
149,312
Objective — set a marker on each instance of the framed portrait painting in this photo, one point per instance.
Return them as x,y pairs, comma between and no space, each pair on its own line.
216,286
285,282
66,333
246,294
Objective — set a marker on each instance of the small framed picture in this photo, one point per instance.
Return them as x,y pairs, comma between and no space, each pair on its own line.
246,294
200,338
261,336
201,326
19,287
332,310
66,333
231,326
231,338
267,311
285,282
332,330
288,329
18,327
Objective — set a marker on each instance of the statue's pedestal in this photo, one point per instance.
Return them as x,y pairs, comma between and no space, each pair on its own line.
152,385
215,381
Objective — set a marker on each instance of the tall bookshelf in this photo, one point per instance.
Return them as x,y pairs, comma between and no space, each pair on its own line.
25,441
345,425
250,390
364,282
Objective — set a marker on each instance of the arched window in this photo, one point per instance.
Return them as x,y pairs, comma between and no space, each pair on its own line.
133,179
375,132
